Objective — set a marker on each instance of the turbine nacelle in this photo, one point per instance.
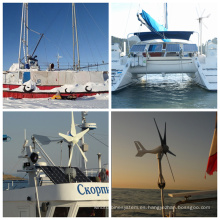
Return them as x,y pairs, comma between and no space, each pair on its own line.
74,138
160,150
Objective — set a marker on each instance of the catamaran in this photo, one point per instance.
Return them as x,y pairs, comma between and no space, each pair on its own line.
25,79
163,52
57,190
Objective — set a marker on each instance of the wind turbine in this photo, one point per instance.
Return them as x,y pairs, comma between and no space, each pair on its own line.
72,138
160,151
200,19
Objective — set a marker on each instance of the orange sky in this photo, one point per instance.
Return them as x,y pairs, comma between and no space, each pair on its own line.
189,136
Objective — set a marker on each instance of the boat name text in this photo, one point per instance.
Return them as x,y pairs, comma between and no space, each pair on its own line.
92,190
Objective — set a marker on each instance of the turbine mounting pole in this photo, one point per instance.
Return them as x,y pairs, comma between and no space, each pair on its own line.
161,182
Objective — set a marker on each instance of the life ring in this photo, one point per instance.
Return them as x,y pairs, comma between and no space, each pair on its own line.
25,90
88,89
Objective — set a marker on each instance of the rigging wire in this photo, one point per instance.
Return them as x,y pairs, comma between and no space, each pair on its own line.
97,139
61,36
82,32
95,22
94,42
127,19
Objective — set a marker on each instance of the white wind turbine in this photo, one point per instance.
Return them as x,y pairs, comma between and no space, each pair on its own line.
73,139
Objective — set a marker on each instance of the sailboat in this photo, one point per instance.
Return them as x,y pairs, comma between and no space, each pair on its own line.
25,79
57,190
160,52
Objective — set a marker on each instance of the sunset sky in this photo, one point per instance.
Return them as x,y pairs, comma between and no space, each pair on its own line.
189,136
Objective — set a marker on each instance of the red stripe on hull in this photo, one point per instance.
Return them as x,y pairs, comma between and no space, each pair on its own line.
10,87
21,95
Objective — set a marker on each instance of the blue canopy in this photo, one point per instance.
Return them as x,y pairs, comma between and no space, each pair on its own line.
151,23
181,35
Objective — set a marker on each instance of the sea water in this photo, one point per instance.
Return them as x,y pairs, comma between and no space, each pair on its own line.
14,184
147,203
174,91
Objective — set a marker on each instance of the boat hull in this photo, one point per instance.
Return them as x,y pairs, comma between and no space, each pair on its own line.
22,202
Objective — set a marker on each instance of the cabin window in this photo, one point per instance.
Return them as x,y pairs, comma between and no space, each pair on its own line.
91,212
61,211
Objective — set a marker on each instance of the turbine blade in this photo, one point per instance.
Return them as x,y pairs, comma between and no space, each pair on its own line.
82,133
82,152
171,153
205,25
71,155
66,137
161,140
165,138
202,12
170,168
73,128
197,12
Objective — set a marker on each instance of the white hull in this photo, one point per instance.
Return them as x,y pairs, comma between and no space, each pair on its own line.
71,195
202,70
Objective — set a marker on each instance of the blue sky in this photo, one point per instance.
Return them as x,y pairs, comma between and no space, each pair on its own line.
182,16
55,21
50,124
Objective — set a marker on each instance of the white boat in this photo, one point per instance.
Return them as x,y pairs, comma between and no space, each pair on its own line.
162,52
26,76
57,191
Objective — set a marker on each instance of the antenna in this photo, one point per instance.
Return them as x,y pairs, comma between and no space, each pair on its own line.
25,139
58,60
160,151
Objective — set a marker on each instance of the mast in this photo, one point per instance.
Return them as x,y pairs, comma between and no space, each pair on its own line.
19,54
26,7
74,65
77,43
165,16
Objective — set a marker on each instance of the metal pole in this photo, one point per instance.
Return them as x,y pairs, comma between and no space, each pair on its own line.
161,183
37,199
19,55
26,4
201,36
74,65
77,42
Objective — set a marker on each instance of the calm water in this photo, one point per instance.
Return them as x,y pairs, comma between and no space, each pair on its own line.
16,184
145,202
172,91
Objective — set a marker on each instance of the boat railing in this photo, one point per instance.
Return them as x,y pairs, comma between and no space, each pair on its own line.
84,66
187,198
102,174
